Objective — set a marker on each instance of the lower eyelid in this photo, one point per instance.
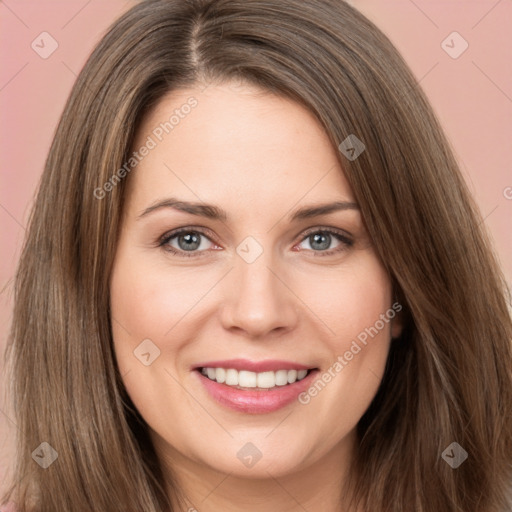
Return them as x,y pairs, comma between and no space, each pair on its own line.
344,240
164,242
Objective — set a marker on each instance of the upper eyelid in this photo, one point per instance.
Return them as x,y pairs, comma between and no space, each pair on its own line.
178,231
206,232
338,231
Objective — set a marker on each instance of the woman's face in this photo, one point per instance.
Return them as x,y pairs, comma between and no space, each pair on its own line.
251,289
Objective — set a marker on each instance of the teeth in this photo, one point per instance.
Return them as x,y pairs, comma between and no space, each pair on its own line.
231,376
220,375
281,378
246,379
292,376
266,379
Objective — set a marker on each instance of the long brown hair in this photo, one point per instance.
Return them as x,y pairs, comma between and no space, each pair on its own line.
448,377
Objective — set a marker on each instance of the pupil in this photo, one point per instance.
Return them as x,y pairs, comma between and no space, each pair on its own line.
192,241
317,238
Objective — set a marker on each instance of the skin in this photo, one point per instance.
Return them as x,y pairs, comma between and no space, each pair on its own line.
259,157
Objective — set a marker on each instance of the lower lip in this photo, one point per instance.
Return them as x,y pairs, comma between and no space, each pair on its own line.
256,402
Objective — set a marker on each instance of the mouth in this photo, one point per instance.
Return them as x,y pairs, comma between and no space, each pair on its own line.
245,390
251,381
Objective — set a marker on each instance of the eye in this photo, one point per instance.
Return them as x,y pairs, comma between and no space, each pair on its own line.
320,240
190,242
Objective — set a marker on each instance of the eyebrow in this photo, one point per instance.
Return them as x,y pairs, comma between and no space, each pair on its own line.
215,213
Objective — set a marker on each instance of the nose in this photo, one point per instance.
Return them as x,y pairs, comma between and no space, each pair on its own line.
259,301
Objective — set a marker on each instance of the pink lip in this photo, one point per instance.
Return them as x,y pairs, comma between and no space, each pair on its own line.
253,366
256,402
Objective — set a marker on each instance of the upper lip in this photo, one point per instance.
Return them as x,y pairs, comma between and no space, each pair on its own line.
267,365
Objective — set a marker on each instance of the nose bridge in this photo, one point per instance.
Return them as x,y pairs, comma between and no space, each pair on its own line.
258,301
256,282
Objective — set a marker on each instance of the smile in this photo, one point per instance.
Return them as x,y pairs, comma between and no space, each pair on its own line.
254,387
249,380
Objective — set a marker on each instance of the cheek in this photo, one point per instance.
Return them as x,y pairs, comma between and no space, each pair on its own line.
365,319
170,307
148,302
359,315
148,315
351,301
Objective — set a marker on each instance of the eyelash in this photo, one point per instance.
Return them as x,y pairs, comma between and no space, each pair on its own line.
346,242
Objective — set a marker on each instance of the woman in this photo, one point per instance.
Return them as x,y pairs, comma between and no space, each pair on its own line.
181,342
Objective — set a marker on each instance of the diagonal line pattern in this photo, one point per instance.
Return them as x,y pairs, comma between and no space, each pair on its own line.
420,79
300,199
286,491
198,402
279,424
424,13
6,285
3,3
76,14
488,215
11,421
492,81
376,376
122,326
206,86
485,15
12,216
216,487
14,76
72,72
301,300
227,227
198,301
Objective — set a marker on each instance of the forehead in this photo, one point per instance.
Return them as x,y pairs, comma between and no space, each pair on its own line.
236,144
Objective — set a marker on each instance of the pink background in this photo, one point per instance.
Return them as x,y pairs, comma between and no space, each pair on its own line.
471,94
